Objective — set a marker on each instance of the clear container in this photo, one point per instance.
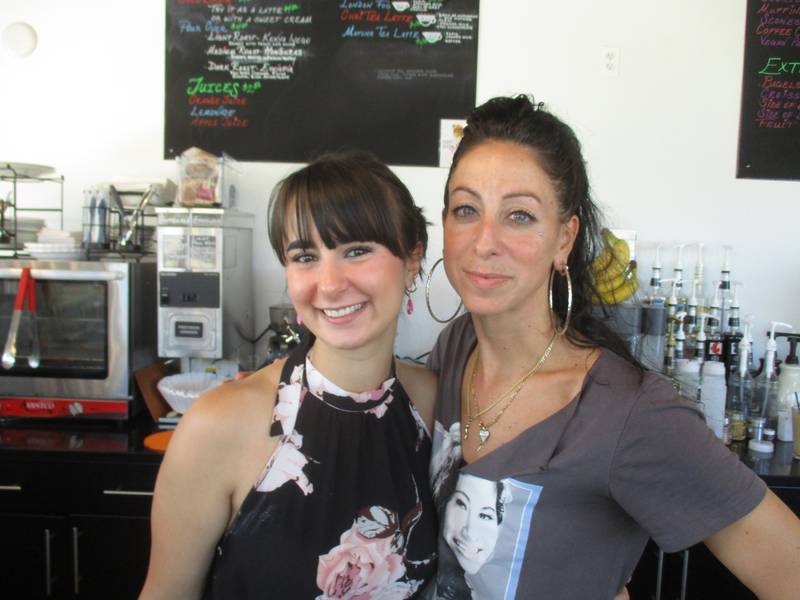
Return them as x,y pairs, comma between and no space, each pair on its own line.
654,340
740,392
713,392
687,374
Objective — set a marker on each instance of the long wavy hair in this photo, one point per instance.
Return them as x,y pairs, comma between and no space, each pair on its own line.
521,120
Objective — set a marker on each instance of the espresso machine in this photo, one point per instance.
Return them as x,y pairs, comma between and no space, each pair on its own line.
205,288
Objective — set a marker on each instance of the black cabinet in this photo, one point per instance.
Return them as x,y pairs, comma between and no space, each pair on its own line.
695,573
75,524
33,555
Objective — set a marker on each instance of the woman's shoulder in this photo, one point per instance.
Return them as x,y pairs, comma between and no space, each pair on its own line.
222,416
419,383
456,339
612,374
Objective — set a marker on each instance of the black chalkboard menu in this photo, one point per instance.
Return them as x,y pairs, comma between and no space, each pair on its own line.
769,126
264,80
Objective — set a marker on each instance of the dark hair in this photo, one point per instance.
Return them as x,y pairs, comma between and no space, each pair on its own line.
348,196
521,120
500,504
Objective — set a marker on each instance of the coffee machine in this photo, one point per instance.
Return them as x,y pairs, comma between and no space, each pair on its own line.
205,282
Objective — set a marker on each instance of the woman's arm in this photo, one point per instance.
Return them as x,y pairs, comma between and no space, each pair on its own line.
763,549
192,502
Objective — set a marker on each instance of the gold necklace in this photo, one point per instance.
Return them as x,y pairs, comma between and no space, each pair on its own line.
511,394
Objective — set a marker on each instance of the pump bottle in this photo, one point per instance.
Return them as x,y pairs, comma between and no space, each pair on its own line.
730,341
788,385
677,277
655,297
699,274
763,408
740,391
690,322
725,288
700,339
680,337
714,337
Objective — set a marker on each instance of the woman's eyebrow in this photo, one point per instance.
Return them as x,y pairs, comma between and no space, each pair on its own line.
298,245
521,194
508,196
461,493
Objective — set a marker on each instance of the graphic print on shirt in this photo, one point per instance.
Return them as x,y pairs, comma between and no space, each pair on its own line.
370,559
484,525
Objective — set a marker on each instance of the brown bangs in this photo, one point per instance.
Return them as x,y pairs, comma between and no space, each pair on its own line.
347,198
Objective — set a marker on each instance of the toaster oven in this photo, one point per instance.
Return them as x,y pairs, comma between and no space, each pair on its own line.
95,323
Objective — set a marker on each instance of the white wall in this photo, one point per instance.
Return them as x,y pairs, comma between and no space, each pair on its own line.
660,137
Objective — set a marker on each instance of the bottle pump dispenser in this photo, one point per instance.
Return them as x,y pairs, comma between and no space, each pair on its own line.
788,386
764,403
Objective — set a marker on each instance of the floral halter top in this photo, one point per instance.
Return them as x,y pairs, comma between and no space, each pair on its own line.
343,508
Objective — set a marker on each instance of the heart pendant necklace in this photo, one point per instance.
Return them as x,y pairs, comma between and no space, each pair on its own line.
510,395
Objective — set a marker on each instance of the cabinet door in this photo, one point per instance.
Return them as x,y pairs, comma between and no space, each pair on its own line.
34,557
109,556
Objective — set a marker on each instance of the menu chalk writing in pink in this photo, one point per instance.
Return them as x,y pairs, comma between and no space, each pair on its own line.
769,126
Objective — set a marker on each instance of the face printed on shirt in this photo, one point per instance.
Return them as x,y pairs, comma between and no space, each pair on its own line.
472,521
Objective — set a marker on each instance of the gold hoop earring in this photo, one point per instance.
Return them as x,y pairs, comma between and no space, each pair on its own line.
565,274
428,296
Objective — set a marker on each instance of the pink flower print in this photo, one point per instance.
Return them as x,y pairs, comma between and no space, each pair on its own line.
366,563
297,374
290,396
381,409
400,590
422,428
287,465
373,395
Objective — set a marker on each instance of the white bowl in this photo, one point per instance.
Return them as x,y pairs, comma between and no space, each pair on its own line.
426,20
184,388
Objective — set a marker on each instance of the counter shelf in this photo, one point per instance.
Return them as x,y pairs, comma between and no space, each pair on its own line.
16,174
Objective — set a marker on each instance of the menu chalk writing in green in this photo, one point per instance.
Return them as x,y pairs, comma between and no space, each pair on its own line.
769,125
283,81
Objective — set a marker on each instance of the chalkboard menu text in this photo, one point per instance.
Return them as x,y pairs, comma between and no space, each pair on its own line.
282,81
769,127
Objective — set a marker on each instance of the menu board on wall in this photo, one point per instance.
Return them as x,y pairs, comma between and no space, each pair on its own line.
769,126
283,81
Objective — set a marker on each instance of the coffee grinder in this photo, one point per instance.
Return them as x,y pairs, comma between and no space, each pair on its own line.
205,283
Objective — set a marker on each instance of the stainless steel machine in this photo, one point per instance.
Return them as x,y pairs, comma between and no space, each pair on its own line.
205,289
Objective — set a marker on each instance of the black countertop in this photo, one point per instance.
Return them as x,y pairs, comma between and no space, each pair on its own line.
777,469
98,440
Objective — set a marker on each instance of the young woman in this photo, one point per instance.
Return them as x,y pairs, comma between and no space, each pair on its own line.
308,479
595,454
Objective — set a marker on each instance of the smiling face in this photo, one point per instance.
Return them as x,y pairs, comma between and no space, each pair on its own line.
502,230
471,523
350,295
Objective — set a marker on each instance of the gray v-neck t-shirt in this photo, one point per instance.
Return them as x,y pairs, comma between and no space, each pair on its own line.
565,509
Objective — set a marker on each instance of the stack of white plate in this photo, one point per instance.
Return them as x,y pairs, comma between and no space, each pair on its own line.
54,244
27,228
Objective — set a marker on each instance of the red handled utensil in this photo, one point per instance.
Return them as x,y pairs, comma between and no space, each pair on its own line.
25,292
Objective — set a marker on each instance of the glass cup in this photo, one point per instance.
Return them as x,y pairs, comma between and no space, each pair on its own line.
796,433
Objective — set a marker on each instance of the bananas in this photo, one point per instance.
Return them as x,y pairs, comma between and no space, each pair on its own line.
613,271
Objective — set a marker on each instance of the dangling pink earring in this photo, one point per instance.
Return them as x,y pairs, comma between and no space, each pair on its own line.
409,301
298,319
